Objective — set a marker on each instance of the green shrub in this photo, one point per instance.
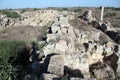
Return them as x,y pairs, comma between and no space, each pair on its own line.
113,8
35,9
10,14
117,9
61,9
64,15
23,10
77,10
64,9
9,49
110,14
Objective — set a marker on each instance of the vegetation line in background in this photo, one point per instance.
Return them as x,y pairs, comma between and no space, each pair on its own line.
10,14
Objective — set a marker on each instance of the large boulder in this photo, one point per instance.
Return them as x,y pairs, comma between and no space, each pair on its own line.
78,61
61,47
102,71
56,65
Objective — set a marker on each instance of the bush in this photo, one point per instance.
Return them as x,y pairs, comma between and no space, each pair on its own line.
8,49
113,8
23,10
77,10
10,14
110,15
35,9
64,9
117,9
64,15
61,9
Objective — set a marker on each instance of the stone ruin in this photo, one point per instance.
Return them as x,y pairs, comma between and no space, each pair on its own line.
72,53
105,27
77,54
87,16
28,18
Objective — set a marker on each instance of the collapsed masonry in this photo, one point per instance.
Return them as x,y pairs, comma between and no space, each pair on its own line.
28,18
105,27
80,53
73,53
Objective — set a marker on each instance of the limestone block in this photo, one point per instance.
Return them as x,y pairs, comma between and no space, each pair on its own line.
56,65
49,49
61,46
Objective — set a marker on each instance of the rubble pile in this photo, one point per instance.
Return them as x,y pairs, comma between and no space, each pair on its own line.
71,53
80,53
29,18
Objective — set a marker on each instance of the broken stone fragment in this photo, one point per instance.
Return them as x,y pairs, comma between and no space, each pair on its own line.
49,49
